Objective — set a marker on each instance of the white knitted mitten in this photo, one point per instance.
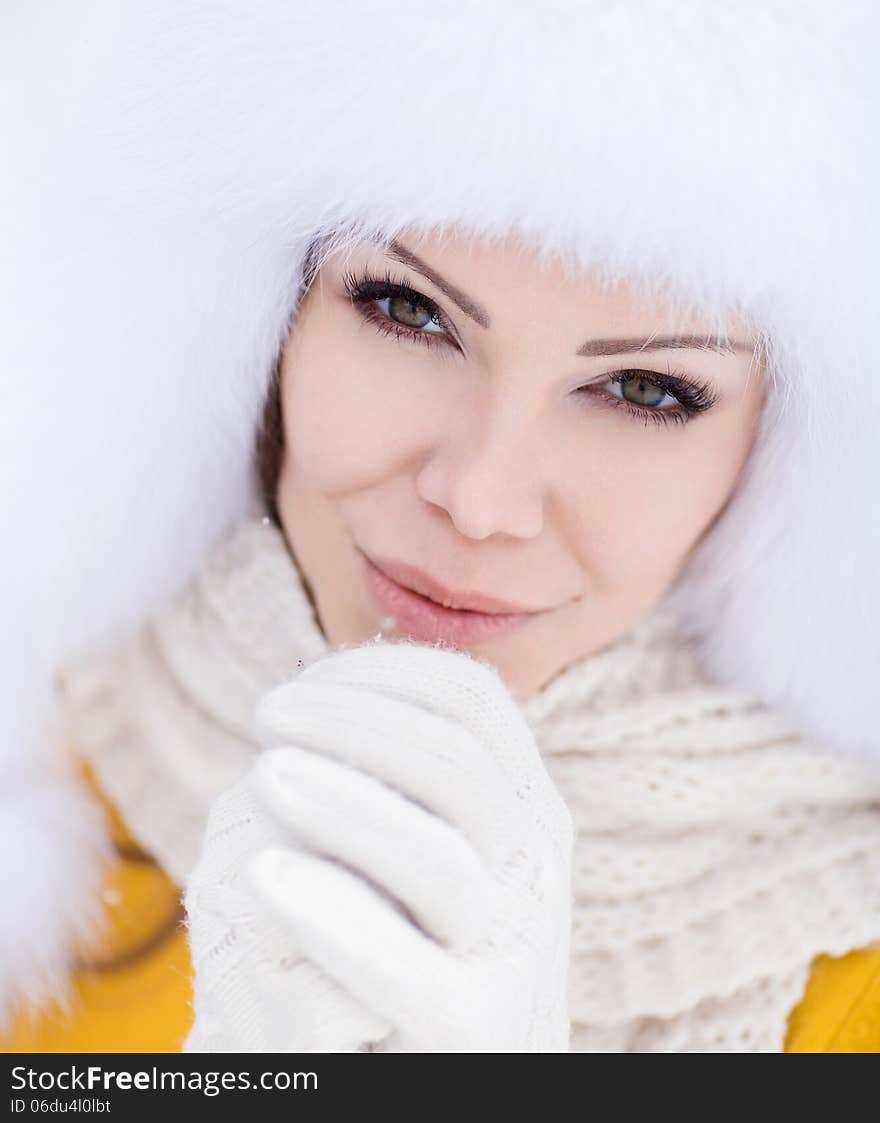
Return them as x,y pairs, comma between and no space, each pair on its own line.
401,870
252,990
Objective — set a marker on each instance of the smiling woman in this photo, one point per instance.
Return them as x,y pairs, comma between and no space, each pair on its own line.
478,437
450,553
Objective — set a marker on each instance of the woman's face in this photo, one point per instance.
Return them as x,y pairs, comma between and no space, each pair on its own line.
485,428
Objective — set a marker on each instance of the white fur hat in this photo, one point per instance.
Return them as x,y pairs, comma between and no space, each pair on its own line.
177,160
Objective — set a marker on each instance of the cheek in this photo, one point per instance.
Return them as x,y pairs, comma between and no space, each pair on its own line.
340,432
653,504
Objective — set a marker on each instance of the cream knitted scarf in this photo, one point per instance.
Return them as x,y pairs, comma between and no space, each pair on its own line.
717,852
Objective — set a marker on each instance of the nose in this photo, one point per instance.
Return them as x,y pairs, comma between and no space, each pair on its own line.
485,472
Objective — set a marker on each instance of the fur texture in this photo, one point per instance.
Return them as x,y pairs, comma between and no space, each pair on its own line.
54,842
182,159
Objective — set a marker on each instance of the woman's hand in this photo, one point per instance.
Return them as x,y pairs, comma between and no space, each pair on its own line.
407,853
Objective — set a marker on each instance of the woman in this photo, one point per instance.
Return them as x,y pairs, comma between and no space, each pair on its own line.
607,422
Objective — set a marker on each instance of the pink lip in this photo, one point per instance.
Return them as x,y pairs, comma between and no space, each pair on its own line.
417,614
420,582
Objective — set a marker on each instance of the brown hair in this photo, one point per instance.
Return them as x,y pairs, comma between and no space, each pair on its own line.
269,446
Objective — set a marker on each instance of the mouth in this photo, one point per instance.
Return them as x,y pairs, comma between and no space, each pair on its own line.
414,601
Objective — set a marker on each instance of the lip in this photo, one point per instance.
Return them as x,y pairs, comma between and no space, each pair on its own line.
417,581
418,614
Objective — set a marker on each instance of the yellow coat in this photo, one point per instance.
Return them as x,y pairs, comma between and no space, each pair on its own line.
132,990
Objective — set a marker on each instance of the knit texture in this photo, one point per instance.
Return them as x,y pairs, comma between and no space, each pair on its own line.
717,850
407,836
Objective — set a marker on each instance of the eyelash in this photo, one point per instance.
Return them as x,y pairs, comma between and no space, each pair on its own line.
693,397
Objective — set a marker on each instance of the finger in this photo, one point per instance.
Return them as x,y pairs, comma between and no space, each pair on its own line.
410,853
452,683
257,988
315,1014
430,760
355,936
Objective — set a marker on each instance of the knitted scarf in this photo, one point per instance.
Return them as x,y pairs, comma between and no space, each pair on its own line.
717,852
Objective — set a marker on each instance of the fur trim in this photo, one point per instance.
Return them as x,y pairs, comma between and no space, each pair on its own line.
186,158
54,841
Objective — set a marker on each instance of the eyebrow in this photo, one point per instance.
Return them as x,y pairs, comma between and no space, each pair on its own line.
593,347
473,308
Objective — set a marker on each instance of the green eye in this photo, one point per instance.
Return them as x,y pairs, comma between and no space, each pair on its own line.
408,313
641,391
399,311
